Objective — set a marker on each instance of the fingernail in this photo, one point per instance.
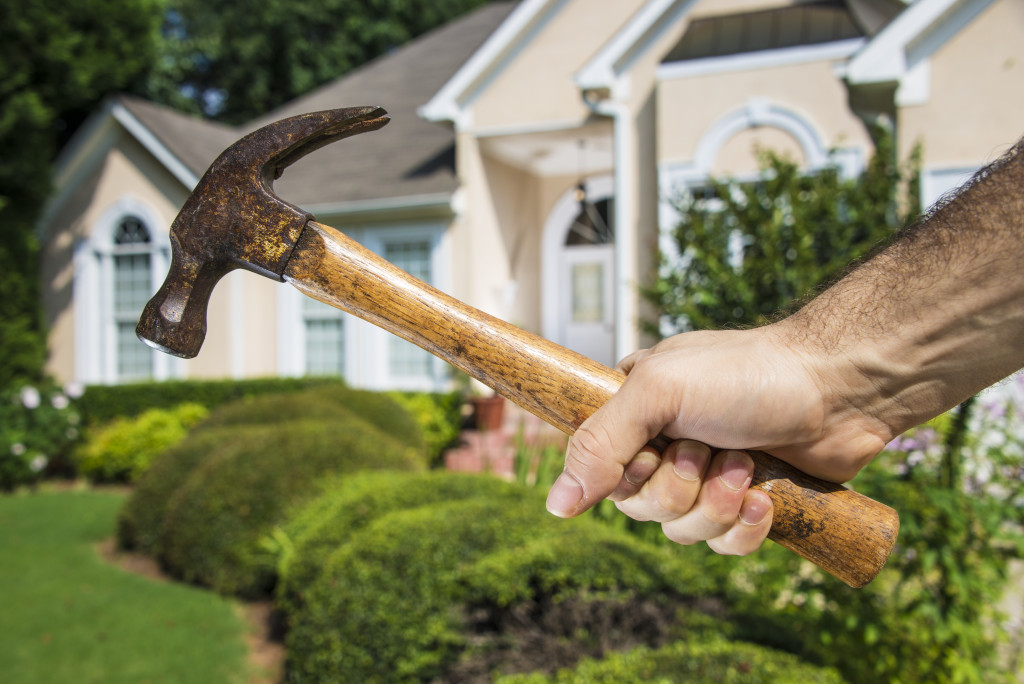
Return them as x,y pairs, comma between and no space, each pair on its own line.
736,470
754,509
565,496
690,462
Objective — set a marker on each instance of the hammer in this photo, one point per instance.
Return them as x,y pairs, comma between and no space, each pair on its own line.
233,219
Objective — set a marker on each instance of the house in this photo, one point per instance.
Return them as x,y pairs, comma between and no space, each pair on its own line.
527,170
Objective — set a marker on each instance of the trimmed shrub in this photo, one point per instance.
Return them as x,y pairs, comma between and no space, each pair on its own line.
123,449
386,606
709,662
140,522
216,518
103,403
450,578
324,403
315,531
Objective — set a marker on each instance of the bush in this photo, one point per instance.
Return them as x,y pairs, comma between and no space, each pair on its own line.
103,403
38,428
386,606
315,531
140,522
324,403
123,449
711,662
215,520
451,577
439,417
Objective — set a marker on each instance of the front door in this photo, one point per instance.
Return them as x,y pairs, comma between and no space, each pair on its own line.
587,302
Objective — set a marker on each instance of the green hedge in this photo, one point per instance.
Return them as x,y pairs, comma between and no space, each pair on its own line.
348,504
123,449
216,519
140,522
103,403
418,577
701,662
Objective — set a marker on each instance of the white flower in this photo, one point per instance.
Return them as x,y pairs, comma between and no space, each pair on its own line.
74,389
59,401
38,463
71,433
30,397
18,449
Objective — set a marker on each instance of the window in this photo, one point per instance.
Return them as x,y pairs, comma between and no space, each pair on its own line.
132,287
325,338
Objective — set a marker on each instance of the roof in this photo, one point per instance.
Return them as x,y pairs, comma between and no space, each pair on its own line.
811,23
408,157
193,141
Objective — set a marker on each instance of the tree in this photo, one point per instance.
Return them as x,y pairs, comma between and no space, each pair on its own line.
235,60
745,251
58,60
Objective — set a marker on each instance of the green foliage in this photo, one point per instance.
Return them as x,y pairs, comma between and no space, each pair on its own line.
58,60
38,428
439,417
238,60
710,662
347,504
122,450
103,403
410,577
140,523
215,520
745,251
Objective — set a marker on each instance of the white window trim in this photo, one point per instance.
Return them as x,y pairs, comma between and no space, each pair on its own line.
95,338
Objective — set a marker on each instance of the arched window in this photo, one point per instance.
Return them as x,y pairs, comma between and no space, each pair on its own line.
132,287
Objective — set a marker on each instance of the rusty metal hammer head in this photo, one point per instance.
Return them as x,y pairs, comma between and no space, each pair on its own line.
233,220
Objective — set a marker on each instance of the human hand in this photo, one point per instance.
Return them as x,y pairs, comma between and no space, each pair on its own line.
735,390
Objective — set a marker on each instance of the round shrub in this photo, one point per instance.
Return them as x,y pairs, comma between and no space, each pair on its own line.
386,606
467,576
701,662
348,504
325,403
140,522
123,449
214,521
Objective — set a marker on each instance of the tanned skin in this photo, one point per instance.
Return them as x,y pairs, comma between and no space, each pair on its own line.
928,321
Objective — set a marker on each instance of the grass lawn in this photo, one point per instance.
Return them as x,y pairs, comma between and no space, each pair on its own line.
66,616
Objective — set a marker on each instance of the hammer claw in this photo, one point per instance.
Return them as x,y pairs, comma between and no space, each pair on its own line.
233,219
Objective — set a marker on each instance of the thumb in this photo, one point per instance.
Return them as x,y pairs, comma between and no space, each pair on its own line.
598,453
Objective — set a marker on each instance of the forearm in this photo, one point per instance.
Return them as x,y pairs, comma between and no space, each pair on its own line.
933,318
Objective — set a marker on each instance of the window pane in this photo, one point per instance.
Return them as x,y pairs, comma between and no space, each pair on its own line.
588,293
134,359
325,346
131,284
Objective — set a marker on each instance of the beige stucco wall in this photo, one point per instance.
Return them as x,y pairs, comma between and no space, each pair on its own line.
689,107
974,109
537,87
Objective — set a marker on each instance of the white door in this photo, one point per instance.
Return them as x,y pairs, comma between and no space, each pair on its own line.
587,304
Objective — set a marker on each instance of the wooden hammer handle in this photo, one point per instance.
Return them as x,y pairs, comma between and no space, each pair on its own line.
839,530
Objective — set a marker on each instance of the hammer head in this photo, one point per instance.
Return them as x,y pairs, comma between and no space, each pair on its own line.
233,220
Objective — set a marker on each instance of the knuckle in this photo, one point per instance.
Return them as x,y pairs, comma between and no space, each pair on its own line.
586,449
